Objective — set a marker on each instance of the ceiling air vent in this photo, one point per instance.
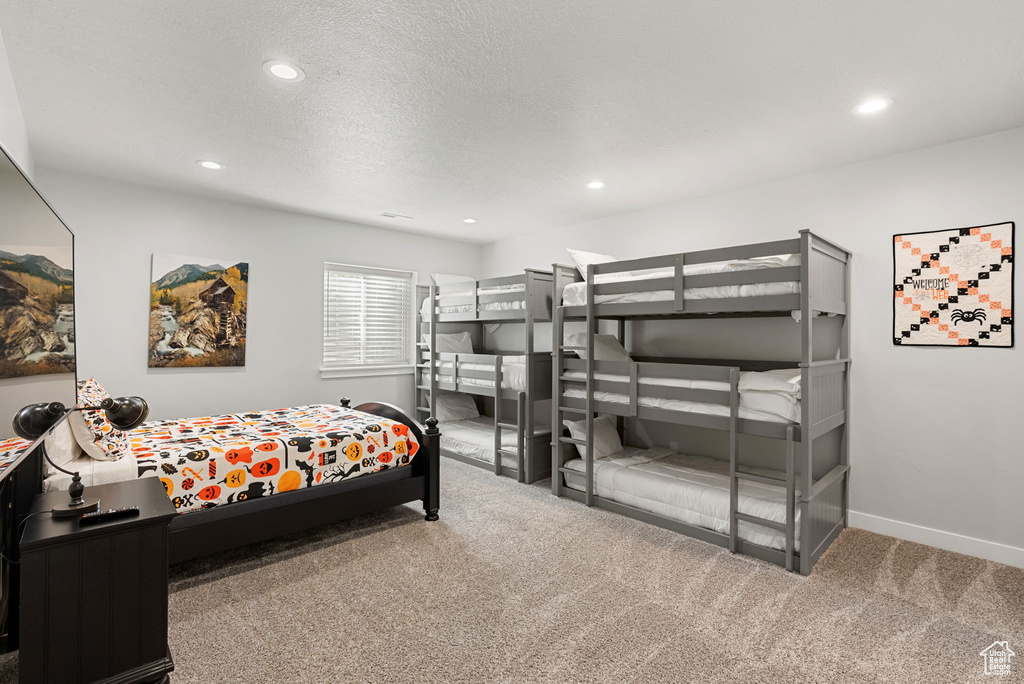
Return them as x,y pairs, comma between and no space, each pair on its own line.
389,215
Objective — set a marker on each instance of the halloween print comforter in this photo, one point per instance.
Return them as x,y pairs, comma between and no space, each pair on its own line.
207,462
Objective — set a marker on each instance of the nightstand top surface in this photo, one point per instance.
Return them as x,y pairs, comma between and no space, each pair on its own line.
147,493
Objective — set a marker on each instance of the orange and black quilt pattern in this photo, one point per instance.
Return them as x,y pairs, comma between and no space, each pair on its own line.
954,287
206,462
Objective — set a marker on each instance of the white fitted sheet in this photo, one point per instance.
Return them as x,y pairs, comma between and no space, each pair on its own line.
767,405
484,306
474,437
94,472
690,489
513,373
575,294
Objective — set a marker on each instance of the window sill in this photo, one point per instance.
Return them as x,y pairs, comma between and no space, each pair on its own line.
366,371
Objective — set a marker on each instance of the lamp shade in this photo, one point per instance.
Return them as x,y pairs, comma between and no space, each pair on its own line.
125,413
34,420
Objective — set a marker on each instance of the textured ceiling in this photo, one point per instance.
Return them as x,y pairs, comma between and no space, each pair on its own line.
500,110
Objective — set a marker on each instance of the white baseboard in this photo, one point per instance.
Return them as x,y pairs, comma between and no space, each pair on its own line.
994,551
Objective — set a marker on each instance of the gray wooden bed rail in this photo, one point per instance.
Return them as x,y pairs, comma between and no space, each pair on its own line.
816,470
533,443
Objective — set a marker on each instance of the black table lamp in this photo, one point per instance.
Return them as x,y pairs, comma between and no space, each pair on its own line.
35,420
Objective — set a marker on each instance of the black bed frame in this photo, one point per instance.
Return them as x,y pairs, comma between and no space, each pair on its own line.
213,530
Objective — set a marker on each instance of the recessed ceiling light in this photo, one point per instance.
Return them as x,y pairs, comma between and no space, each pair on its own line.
469,220
873,106
210,164
284,70
595,185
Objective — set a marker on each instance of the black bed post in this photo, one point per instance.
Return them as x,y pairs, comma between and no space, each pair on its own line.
432,499
345,401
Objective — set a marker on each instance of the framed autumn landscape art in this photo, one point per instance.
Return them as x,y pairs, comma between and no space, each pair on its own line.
37,325
198,310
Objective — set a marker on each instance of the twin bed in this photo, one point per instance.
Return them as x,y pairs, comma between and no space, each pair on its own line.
240,478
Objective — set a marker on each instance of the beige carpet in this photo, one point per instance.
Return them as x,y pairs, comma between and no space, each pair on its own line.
514,585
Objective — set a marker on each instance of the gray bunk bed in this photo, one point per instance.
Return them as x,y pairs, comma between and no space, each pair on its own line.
816,470
523,298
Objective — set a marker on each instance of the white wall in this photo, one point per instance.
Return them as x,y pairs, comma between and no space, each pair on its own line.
937,433
12,125
119,226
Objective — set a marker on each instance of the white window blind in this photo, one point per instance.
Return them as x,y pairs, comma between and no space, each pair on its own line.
367,317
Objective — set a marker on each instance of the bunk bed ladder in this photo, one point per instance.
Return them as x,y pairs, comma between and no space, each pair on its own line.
497,414
734,473
424,394
591,332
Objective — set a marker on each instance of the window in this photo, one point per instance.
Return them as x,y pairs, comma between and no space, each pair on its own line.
368,320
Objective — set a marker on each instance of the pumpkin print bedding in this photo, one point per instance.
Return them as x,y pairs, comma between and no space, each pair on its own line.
207,462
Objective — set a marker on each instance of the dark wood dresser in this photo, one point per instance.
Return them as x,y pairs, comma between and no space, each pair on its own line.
94,598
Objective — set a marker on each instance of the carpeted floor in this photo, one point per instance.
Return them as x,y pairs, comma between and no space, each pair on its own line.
514,585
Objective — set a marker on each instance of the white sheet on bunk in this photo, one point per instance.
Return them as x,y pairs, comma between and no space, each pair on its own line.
690,489
575,294
94,472
484,306
474,437
513,373
773,406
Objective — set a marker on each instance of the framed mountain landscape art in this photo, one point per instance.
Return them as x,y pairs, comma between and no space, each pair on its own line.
954,288
37,323
197,313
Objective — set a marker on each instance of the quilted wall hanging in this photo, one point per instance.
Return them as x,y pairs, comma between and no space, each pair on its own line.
954,287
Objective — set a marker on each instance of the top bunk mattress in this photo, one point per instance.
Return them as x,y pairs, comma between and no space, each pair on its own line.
690,489
513,305
575,294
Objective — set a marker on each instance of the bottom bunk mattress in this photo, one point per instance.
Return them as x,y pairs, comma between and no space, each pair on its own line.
689,489
474,437
217,460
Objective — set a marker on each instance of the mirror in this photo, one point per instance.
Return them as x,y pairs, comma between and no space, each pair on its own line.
37,319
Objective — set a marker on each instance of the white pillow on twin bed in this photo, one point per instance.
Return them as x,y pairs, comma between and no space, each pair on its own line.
606,347
452,343
61,447
786,380
606,437
455,406
449,279
583,259
774,403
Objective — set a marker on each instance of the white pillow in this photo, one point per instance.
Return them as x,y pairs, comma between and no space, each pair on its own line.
455,406
785,380
606,347
606,437
775,403
453,343
448,279
61,447
583,259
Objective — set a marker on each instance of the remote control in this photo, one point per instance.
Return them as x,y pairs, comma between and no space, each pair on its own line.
112,514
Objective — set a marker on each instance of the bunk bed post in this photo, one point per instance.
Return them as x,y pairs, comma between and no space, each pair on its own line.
591,331
845,353
620,334
806,402
557,340
734,485
790,497
432,352
680,301
521,417
497,414
525,422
